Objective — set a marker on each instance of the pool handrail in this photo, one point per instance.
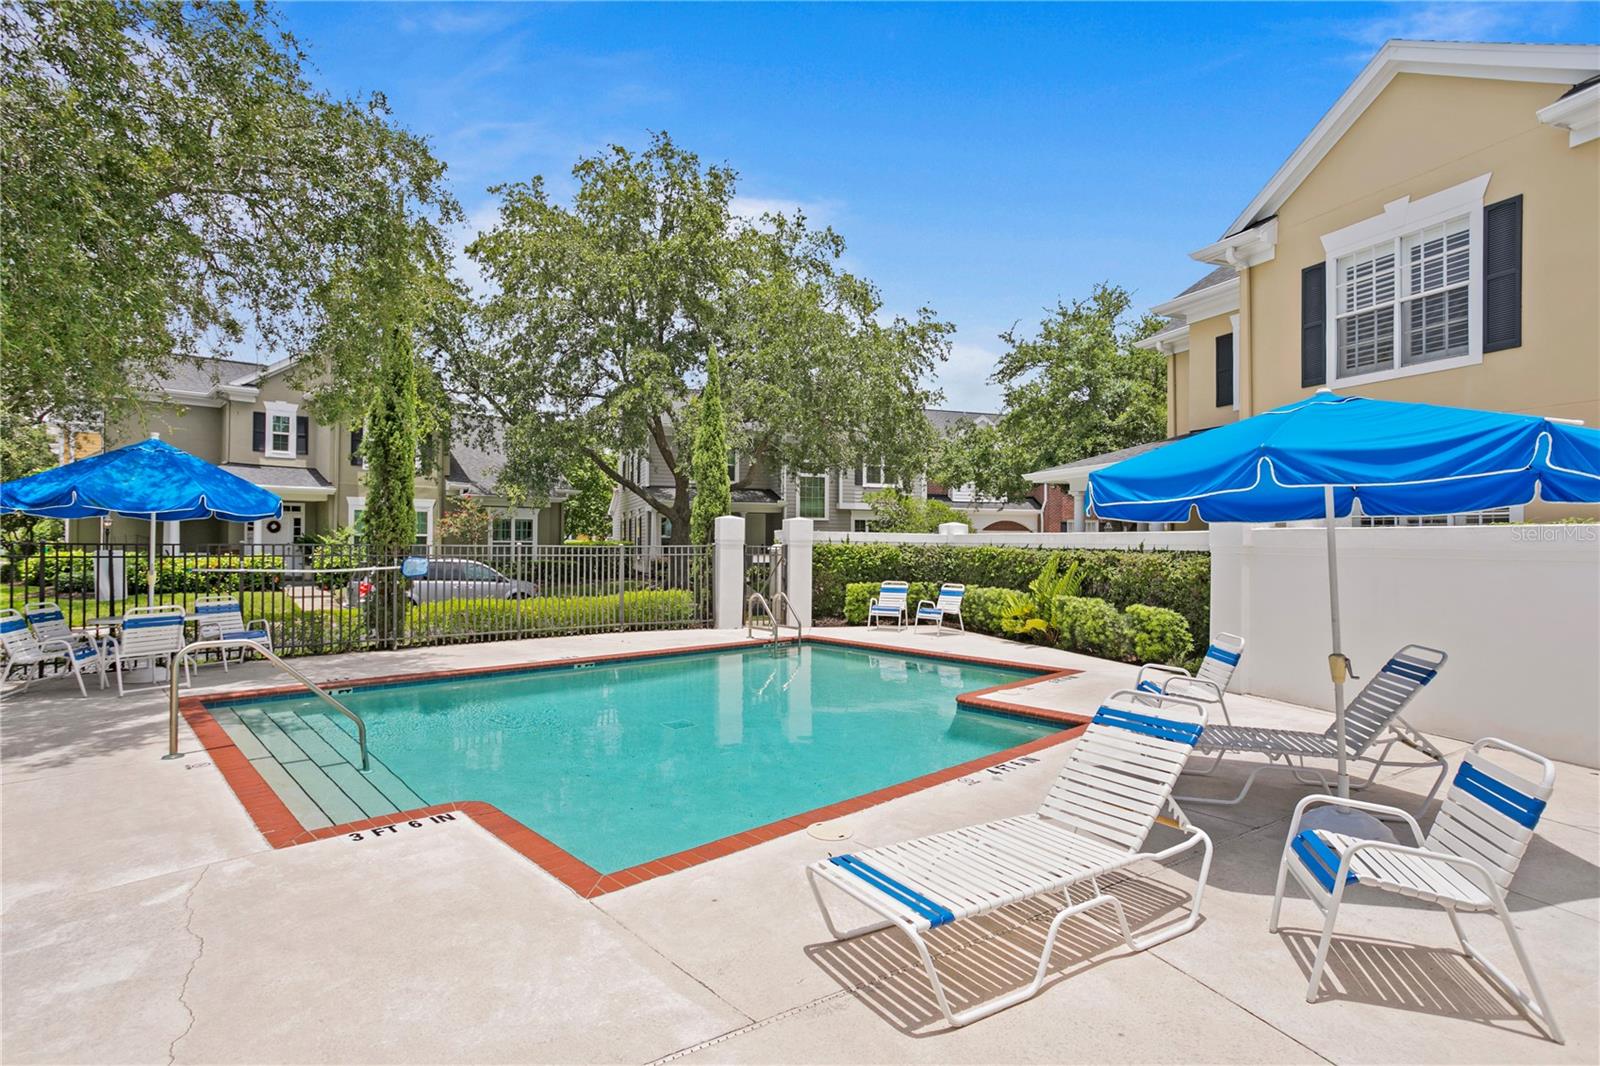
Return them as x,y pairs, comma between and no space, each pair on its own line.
778,600
241,642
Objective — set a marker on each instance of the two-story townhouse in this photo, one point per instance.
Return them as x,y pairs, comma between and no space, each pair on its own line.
834,499
248,419
1435,238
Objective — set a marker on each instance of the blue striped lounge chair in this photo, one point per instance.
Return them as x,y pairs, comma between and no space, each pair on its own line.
1209,684
221,618
49,622
948,605
152,633
1372,723
890,602
1116,784
24,649
1465,863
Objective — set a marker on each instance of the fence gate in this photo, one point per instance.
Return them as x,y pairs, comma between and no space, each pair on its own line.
763,572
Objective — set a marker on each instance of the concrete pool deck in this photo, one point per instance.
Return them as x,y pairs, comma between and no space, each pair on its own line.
146,920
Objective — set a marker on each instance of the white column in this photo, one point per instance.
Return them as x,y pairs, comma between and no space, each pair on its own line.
727,572
798,534
1229,591
170,538
1077,510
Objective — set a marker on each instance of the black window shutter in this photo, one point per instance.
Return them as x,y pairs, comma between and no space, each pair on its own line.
1502,275
355,446
302,435
1314,326
1225,370
258,431
860,478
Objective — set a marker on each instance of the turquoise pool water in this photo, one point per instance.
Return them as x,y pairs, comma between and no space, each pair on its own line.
625,762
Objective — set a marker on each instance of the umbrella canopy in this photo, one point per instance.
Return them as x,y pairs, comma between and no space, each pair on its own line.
1397,458
1316,457
150,480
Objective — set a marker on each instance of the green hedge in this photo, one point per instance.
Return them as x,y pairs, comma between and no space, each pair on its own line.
73,571
545,614
1087,624
1178,581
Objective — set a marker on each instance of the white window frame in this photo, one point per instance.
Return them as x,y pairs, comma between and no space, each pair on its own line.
1400,219
514,515
279,409
883,474
798,479
359,503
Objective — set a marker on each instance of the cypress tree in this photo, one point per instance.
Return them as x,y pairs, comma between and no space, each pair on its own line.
709,461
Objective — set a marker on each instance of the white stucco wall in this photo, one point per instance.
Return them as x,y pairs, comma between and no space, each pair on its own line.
1516,607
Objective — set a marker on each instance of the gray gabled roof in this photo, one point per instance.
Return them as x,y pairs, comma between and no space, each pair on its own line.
201,375
1216,277
945,420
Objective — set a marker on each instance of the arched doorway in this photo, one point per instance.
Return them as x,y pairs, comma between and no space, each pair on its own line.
1006,526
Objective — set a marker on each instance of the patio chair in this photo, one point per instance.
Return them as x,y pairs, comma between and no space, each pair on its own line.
948,605
49,622
221,618
154,633
1209,684
1114,787
24,649
890,602
1465,863
1372,720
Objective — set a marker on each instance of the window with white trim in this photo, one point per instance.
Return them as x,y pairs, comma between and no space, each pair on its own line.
1412,293
874,475
1403,296
812,495
280,429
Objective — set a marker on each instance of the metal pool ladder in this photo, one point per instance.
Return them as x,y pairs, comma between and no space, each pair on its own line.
781,600
239,642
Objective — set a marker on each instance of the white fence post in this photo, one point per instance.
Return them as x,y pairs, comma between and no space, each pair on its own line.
1229,603
798,536
727,570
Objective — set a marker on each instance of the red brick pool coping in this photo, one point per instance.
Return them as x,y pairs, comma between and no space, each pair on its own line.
282,829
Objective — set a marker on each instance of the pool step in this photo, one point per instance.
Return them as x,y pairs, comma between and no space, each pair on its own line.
312,765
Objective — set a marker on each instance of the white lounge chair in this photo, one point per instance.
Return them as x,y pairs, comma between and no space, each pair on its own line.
24,649
1465,863
1209,684
948,605
1115,785
1371,719
49,622
154,633
221,618
890,602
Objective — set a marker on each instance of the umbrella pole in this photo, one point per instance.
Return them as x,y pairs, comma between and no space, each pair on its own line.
150,570
1338,665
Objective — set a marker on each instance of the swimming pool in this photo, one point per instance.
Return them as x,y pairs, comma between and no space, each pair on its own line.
618,763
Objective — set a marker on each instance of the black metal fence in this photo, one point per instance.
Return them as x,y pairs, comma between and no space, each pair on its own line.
319,599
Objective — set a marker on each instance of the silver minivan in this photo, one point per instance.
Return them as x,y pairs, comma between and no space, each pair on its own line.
455,579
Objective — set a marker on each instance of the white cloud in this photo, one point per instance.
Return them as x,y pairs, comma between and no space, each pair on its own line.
478,220
1456,22
965,378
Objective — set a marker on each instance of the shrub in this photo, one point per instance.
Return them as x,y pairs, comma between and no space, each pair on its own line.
1090,626
982,609
1157,635
1030,615
546,614
1180,581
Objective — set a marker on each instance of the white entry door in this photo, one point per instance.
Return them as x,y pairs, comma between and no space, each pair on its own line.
281,530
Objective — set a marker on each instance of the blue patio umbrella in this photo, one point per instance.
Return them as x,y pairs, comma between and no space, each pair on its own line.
149,480
1315,458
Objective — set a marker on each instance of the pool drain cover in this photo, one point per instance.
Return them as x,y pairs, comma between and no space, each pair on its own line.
829,830
681,723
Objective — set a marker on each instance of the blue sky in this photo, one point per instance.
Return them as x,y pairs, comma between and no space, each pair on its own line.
983,160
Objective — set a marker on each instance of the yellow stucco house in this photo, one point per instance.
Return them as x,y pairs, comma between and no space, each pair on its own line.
1435,238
